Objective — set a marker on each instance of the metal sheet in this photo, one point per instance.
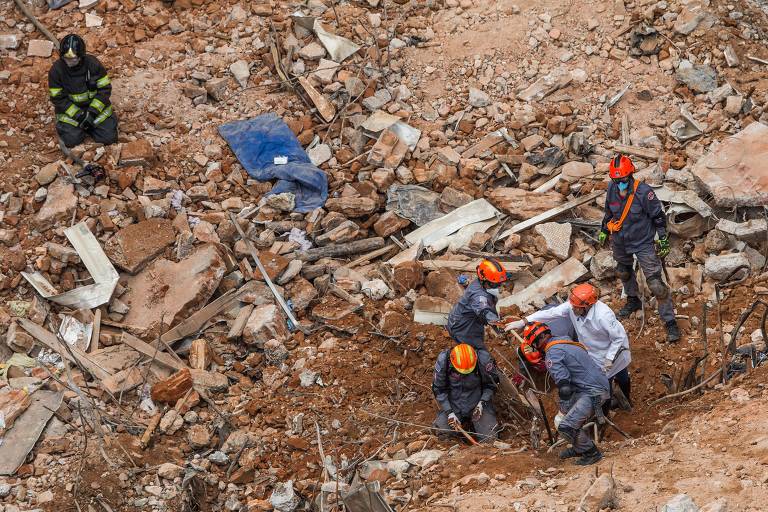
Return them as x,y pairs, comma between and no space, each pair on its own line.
476,211
104,275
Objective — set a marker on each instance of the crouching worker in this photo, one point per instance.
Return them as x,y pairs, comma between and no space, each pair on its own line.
581,385
464,383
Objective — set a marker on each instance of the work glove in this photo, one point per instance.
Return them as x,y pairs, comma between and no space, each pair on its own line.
602,238
453,421
662,246
514,326
478,411
607,365
558,419
564,390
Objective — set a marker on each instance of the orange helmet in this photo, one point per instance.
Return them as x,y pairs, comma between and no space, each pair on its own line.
620,167
531,355
491,271
583,296
533,330
464,358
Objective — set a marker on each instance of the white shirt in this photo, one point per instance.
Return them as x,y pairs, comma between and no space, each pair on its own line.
599,330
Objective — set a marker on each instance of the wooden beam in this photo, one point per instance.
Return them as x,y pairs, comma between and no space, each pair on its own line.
647,153
153,353
549,214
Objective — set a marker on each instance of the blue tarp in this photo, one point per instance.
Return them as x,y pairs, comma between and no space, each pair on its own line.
256,142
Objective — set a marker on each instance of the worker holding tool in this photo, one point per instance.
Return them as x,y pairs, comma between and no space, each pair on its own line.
597,328
80,88
581,387
477,307
464,383
633,218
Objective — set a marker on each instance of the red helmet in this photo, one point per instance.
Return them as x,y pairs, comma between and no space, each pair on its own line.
583,295
620,167
533,331
491,271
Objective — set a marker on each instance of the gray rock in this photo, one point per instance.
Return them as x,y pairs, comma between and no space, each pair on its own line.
5,490
557,238
719,505
367,468
602,265
478,98
601,494
313,51
397,467
10,41
720,267
699,79
425,458
241,71
307,378
378,100
284,498
680,503
320,154
219,458
354,86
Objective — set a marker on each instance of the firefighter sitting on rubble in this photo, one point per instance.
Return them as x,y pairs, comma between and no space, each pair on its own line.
80,88
633,217
581,386
464,383
477,307
597,328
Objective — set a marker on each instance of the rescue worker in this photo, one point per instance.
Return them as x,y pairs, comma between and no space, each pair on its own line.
581,387
80,88
597,328
464,383
633,217
477,307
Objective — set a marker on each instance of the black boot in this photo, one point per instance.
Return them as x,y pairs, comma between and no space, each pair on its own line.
568,453
569,434
673,332
590,457
633,304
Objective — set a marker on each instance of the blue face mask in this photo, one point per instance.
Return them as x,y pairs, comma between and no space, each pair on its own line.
623,186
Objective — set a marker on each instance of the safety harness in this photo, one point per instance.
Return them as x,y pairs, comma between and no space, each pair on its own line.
614,226
564,342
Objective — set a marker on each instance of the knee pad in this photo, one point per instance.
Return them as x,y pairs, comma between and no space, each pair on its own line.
657,287
624,271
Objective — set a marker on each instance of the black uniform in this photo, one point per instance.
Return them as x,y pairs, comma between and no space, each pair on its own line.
76,91
459,394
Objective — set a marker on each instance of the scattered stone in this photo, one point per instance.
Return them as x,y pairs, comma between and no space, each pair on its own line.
10,41
59,205
135,246
557,238
478,98
170,471
425,458
47,173
137,153
721,267
680,503
600,495
375,289
698,78
198,437
40,48
265,323
241,71
320,154
602,265
284,498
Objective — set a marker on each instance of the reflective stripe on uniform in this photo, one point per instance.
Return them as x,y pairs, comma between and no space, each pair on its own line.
72,110
103,116
55,91
98,104
79,98
63,118
103,81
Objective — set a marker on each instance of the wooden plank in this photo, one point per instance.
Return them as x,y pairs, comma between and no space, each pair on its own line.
194,322
20,439
324,107
647,153
96,331
124,380
338,250
547,285
511,159
152,352
238,325
485,144
371,255
468,266
50,340
549,214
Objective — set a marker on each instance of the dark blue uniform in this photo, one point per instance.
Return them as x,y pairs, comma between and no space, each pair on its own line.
468,318
645,219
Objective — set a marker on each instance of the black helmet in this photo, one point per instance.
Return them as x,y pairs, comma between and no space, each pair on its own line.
72,46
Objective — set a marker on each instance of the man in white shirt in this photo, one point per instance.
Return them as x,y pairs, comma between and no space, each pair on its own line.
597,328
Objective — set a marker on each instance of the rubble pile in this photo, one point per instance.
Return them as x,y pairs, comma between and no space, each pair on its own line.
223,331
